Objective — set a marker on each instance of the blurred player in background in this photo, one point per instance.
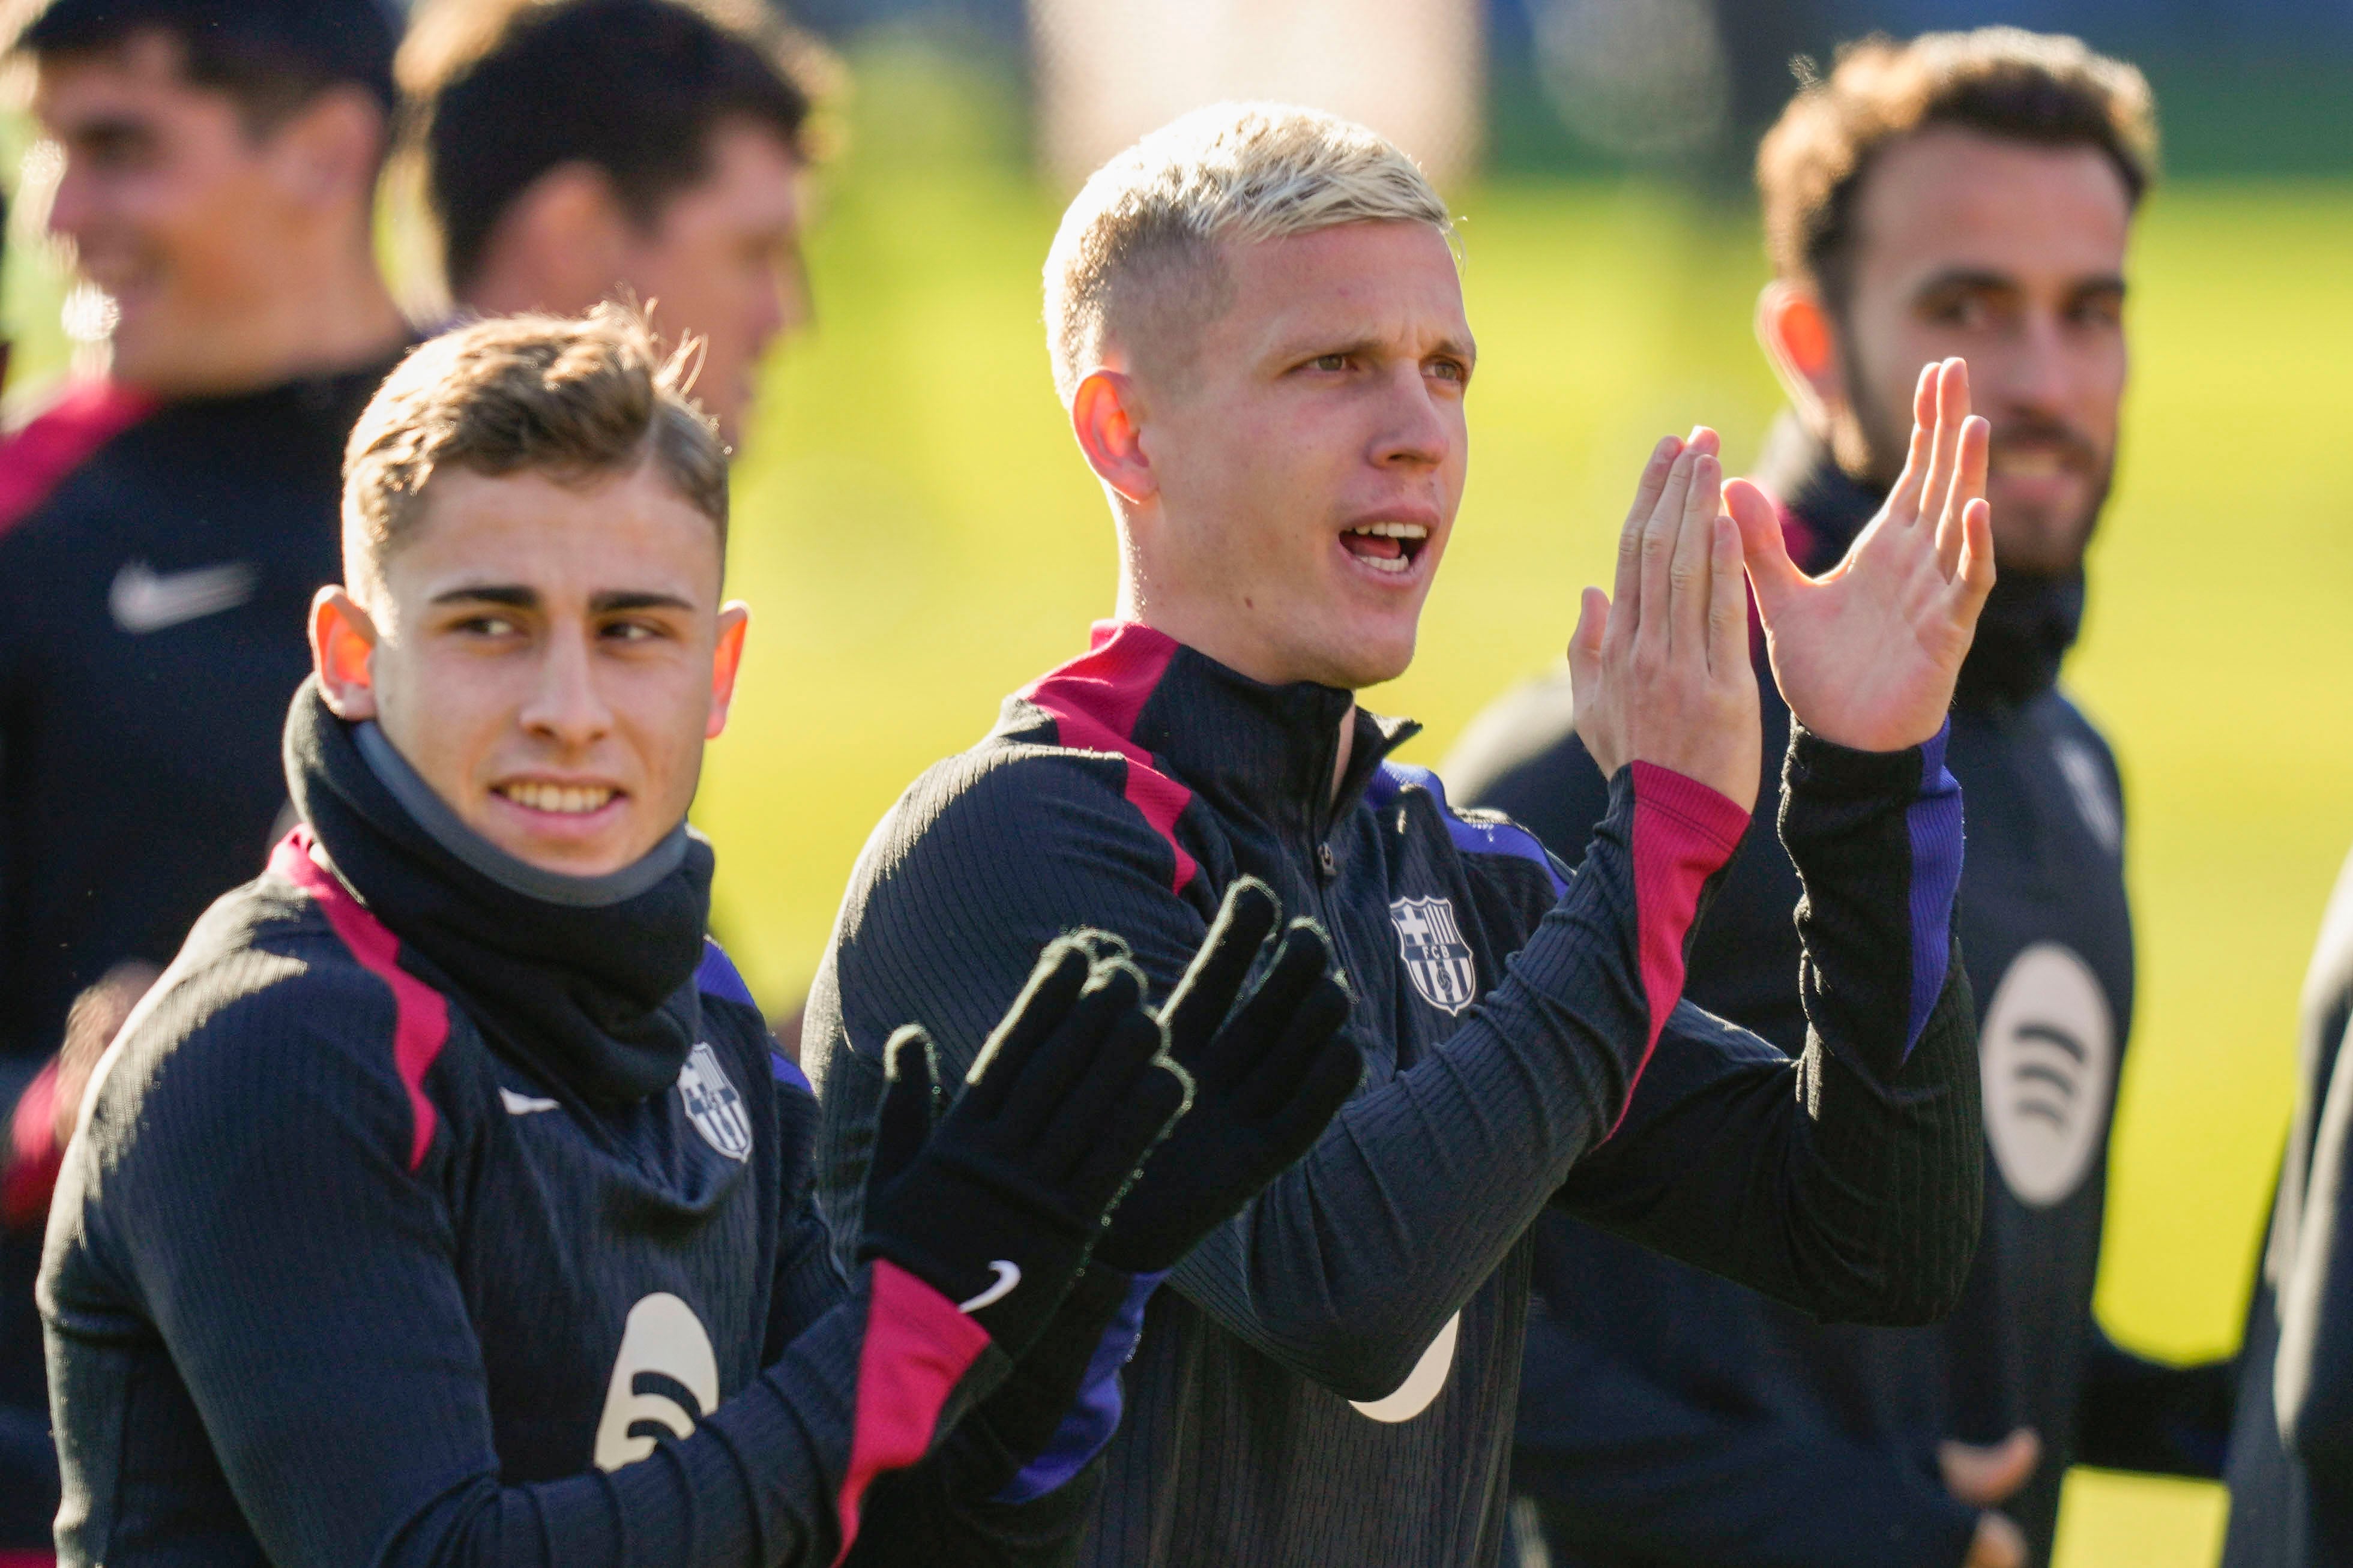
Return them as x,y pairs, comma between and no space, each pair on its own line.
1256,323
2290,1470
162,529
587,150
1967,195
445,1202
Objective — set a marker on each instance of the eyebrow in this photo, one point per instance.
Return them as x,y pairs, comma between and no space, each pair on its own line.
516,596
1306,348
1979,279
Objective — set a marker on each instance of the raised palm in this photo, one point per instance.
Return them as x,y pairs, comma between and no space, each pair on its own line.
1866,654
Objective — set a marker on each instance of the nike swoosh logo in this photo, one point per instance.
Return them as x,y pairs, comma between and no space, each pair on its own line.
522,1104
143,600
1009,1275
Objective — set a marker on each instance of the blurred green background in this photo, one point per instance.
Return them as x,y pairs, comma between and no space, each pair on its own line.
917,537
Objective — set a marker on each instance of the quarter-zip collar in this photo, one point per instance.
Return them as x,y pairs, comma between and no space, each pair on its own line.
1249,748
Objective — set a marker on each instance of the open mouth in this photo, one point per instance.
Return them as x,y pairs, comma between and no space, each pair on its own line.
558,799
1390,548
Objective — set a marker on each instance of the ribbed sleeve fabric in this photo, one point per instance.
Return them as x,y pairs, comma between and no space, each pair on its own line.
244,1194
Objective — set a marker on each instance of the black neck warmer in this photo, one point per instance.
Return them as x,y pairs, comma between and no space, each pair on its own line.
587,980
2029,623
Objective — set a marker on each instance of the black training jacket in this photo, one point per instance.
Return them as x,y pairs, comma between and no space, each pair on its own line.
156,565
436,1210
2290,1470
1331,1378
1669,1418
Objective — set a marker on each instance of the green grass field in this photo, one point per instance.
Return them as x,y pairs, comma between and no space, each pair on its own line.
917,537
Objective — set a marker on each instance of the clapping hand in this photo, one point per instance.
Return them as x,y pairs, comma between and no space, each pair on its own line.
1866,654
1662,674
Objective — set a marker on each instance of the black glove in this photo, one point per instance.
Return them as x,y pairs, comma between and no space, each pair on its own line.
996,1205
1266,1079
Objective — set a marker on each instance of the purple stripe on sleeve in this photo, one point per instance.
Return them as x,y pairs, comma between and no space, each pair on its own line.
716,976
1469,838
1094,1417
1933,822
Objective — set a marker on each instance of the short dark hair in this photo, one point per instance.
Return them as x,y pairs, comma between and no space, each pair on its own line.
504,91
271,56
2039,88
577,398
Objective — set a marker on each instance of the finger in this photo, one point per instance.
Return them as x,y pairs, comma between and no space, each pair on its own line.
1628,589
1246,1048
1116,1063
1151,1104
1763,547
1727,600
1968,485
1654,604
1045,1001
1904,499
1694,541
903,1122
1333,1076
1585,641
1063,1060
1203,998
1100,946
1945,443
1290,1062
1965,596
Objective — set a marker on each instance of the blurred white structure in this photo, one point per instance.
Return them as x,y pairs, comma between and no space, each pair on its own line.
1110,70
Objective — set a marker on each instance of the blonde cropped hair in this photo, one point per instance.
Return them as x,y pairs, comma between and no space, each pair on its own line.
1137,259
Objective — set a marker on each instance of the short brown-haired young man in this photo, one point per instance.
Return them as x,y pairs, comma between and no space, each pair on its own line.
446,1202
595,149
1964,194
162,525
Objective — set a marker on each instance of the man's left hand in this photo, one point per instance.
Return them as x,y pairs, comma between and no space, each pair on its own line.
1866,654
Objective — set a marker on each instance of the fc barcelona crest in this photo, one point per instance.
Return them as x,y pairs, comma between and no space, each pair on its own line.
1435,954
713,1104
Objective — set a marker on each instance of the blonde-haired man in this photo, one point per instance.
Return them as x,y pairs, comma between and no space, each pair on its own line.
445,1204
1258,329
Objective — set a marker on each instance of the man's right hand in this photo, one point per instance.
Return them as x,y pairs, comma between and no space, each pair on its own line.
996,1205
1662,674
1983,1476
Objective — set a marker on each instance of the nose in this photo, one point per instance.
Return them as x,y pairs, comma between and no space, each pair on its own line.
2035,373
1415,433
71,206
564,706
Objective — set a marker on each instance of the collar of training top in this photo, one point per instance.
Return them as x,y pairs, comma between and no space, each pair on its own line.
2027,625
596,994
1250,748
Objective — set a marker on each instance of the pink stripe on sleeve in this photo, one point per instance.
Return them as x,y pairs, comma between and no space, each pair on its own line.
1683,833
917,1348
421,1014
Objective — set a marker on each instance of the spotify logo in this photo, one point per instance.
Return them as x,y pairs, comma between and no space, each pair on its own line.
2048,1053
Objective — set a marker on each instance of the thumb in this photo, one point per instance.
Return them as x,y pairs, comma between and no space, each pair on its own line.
1987,1475
1585,645
1767,554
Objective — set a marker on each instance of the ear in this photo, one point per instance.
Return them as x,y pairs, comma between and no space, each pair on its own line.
557,247
343,647
331,150
734,620
1801,341
1106,415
